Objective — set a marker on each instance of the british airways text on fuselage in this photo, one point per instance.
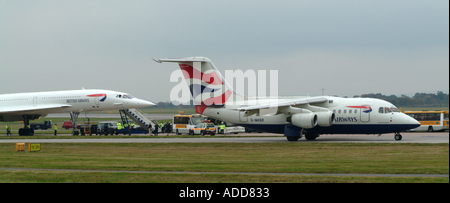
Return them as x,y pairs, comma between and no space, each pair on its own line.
346,119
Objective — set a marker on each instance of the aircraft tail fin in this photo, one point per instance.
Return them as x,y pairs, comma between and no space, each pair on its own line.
208,87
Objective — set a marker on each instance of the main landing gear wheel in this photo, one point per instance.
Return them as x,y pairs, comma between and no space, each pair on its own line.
26,132
292,139
398,136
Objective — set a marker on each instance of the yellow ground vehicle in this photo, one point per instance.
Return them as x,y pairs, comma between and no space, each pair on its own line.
430,120
183,123
203,128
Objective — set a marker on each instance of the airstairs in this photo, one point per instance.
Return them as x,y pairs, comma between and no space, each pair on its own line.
140,119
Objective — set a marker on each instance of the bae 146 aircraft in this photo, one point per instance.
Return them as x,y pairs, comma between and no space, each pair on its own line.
30,106
291,116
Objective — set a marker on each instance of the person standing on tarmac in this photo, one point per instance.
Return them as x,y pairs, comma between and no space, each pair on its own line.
129,130
56,129
156,129
8,130
222,128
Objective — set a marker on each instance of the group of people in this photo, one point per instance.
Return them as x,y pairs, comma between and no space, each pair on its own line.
165,127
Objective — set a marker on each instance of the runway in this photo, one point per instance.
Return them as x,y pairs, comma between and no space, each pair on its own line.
410,137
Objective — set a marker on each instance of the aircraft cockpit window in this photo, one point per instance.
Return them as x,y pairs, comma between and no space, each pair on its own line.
387,110
127,96
395,109
381,110
119,96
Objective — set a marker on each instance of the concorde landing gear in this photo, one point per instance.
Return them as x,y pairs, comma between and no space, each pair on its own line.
74,118
398,136
26,131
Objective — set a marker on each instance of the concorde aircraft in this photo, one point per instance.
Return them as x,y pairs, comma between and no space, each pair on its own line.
29,106
291,116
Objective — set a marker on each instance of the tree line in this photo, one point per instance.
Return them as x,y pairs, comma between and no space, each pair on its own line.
438,99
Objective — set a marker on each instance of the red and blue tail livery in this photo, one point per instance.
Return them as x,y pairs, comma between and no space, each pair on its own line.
205,83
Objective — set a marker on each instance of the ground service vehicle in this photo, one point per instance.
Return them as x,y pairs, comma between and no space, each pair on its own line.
106,128
229,129
69,124
203,129
43,126
430,120
89,129
183,123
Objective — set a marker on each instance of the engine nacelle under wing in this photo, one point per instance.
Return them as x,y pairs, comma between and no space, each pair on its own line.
325,119
304,120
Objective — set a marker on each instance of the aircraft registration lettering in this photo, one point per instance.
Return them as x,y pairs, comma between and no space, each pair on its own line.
77,100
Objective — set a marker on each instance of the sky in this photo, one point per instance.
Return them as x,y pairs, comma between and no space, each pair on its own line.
345,47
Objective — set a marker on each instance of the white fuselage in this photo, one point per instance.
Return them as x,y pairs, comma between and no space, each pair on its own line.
352,116
43,103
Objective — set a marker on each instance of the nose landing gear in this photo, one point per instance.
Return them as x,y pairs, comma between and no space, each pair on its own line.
398,136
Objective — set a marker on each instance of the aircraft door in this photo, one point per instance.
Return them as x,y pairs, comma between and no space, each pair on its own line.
35,101
97,101
242,116
365,113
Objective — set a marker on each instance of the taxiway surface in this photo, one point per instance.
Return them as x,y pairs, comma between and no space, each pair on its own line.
413,137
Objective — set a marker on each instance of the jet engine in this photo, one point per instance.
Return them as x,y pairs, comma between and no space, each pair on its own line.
304,120
325,119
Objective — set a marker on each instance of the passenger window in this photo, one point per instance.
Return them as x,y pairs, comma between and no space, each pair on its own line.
350,111
345,111
339,111
356,111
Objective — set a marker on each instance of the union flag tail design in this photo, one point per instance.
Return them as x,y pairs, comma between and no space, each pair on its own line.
208,87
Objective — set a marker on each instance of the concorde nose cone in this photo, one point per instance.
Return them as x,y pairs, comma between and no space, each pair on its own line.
139,103
144,103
